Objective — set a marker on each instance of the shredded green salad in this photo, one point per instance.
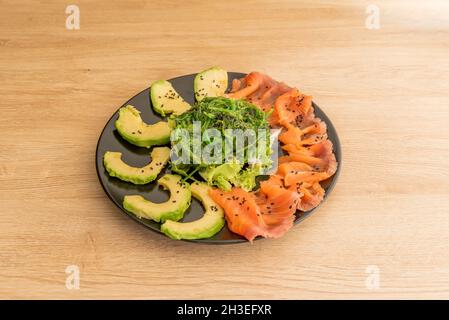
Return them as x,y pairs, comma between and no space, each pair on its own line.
210,137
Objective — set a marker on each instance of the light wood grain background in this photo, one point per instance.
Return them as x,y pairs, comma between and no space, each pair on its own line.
386,90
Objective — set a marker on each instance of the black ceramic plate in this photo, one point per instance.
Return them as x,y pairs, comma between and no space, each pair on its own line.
116,189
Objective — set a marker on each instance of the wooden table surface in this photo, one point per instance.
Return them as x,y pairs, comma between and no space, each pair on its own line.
386,90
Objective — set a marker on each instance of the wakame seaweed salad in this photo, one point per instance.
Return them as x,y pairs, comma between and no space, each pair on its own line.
224,141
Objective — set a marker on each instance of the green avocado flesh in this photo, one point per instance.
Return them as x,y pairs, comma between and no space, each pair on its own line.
117,168
205,227
212,82
166,100
132,128
173,209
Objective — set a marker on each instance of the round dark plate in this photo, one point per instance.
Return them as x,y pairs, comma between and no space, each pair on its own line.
116,189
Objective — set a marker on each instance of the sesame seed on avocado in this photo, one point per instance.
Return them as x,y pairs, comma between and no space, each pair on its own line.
209,224
212,82
132,128
116,167
166,100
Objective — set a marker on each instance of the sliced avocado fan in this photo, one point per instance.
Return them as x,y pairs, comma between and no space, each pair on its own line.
212,82
205,227
117,168
132,128
166,100
173,209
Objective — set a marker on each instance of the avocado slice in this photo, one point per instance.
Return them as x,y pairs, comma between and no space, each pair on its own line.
173,209
166,100
205,227
117,168
132,128
212,82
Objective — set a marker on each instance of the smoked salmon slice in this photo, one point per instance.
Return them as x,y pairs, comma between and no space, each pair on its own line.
268,98
251,87
252,215
241,212
311,195
319,156
298,172
274,197
277,204
292,106
309,135
261,90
